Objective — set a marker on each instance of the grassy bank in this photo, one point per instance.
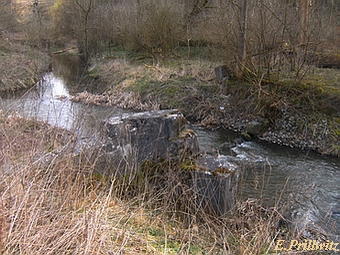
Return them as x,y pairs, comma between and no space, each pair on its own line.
21,66
54,201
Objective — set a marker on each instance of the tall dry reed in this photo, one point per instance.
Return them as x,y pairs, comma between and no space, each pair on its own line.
56,201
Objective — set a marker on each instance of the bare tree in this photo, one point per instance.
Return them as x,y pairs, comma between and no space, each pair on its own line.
241,56
85,9
304,19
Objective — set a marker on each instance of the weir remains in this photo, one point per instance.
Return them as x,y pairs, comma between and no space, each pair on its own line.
163,135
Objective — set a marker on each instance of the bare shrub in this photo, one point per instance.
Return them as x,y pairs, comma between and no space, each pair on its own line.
151,26
158,27
8,20
63,23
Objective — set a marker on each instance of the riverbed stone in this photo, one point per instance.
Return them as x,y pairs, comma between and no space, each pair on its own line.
254,128
246,136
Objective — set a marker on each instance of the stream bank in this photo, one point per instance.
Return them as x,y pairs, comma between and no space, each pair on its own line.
305,116
21,66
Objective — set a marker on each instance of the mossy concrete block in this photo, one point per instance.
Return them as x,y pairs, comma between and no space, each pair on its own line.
222,73
215,193
149,135
215,185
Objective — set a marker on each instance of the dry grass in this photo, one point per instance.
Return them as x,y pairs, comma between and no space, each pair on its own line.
20,65
121,100
52,203
140,85
124,72
55,202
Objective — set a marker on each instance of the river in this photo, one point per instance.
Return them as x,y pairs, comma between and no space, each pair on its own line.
307,183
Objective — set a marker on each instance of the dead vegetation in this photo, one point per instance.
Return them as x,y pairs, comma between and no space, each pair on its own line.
123,100
21,67
54,201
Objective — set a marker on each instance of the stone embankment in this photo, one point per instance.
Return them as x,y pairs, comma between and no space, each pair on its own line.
293,129
290,130
314,136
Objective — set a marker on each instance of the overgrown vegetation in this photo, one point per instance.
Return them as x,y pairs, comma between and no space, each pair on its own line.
56,202
21,67
283,41
21,61
276,34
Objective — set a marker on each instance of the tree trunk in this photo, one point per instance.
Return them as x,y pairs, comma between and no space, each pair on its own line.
304,17
242,38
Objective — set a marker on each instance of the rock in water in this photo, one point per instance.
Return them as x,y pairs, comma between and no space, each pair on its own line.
254,128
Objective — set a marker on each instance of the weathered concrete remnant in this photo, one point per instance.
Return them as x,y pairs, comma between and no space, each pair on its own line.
151,134
216,184
222,76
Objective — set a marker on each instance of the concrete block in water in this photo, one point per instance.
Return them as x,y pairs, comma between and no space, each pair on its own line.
150,135
215,194
163,134
216,185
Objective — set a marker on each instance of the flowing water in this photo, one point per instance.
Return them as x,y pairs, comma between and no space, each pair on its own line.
307,183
